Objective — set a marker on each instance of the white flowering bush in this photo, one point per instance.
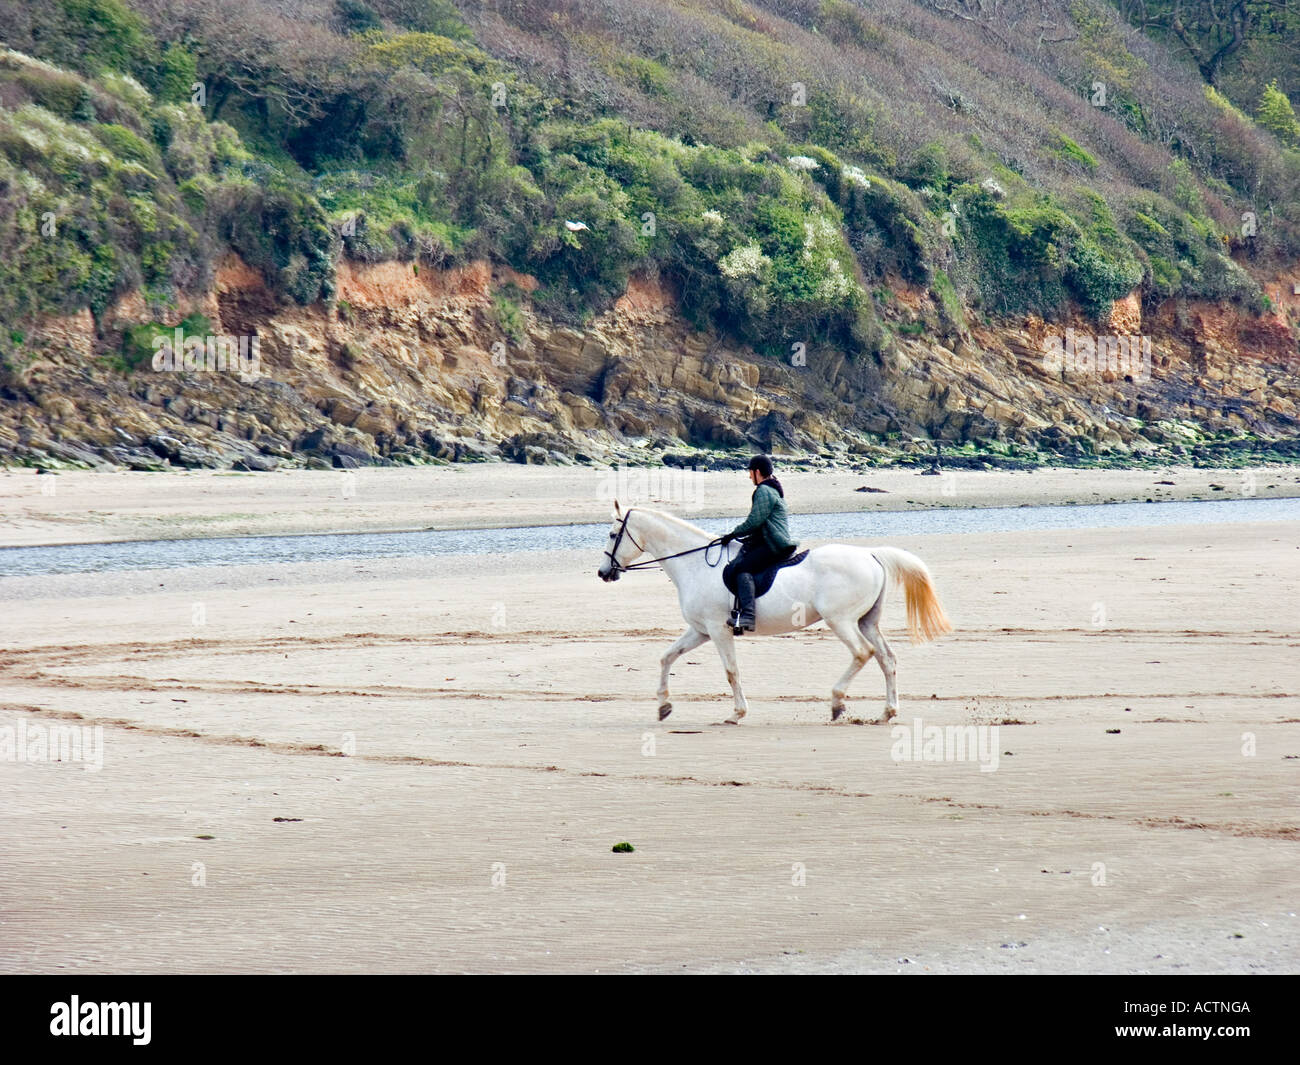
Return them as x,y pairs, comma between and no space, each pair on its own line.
822,246
53,137
127,89
747,261
854,175
835,286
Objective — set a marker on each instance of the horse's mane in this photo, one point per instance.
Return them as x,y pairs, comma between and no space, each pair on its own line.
672,519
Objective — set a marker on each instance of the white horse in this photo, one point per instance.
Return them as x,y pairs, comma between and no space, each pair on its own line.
842,585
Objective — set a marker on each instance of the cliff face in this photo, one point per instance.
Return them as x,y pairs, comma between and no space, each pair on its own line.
452,365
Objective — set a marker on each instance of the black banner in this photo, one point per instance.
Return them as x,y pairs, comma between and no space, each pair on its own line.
171,1014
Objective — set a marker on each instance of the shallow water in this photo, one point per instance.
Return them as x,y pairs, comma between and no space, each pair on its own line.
874,525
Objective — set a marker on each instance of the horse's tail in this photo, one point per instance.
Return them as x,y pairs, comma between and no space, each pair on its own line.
925,617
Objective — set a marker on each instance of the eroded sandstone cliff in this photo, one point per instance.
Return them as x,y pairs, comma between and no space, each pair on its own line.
412,366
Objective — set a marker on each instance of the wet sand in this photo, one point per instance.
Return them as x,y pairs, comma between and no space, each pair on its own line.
421,765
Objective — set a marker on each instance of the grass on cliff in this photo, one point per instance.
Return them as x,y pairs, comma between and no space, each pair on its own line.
750,154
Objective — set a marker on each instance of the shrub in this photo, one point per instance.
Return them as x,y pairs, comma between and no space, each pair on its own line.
425,16
125,144
1064,148
171,78
1276,115
1098,279
356,16
137,347
509,316
281,231
942,286
98,35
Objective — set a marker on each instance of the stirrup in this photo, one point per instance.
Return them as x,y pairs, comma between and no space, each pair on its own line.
741,623
734,621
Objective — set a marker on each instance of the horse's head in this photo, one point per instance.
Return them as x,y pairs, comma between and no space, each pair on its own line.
621,549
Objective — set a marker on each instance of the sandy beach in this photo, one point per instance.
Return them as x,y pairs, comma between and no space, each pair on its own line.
421,765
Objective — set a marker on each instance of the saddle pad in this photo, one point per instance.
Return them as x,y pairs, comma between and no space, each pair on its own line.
763,578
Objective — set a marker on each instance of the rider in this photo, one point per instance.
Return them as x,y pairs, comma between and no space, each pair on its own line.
766,537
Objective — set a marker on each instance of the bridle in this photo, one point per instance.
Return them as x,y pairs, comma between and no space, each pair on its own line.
612,552
617,567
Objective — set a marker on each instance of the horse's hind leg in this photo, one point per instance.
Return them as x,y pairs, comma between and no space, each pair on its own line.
885,656
687,641
848,632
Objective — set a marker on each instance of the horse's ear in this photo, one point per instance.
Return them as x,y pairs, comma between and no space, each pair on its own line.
618,512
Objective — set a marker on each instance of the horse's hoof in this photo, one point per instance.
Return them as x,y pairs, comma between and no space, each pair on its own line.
889,714
836,711
665,710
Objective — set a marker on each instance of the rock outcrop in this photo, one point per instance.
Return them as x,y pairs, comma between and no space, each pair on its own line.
416,366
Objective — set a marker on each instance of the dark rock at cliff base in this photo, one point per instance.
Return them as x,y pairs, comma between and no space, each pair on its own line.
61,451
193,457
437,447
316,441
255,463
965,462
774,432
703,460
330,443
538,449
475,451
359,455
133,458
163,446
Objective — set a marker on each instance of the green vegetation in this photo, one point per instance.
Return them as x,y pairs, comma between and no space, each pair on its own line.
1065,149
509,314
138,340
1276,115
948,300
743,152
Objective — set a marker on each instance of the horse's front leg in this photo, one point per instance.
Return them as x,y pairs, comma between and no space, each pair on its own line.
687,641
726,644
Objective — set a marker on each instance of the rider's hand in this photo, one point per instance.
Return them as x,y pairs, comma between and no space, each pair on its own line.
725,539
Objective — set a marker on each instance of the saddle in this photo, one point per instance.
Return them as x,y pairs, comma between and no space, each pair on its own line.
763,578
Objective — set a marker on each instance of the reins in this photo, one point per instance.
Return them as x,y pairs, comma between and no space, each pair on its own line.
612,552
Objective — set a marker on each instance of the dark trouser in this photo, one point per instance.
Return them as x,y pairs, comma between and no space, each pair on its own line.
753,558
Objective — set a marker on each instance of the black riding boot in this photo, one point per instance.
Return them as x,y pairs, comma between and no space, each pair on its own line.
745,602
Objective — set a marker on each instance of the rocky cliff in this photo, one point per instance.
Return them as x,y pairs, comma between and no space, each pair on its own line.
411,365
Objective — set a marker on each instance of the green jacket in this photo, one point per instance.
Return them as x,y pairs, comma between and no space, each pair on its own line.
767,512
